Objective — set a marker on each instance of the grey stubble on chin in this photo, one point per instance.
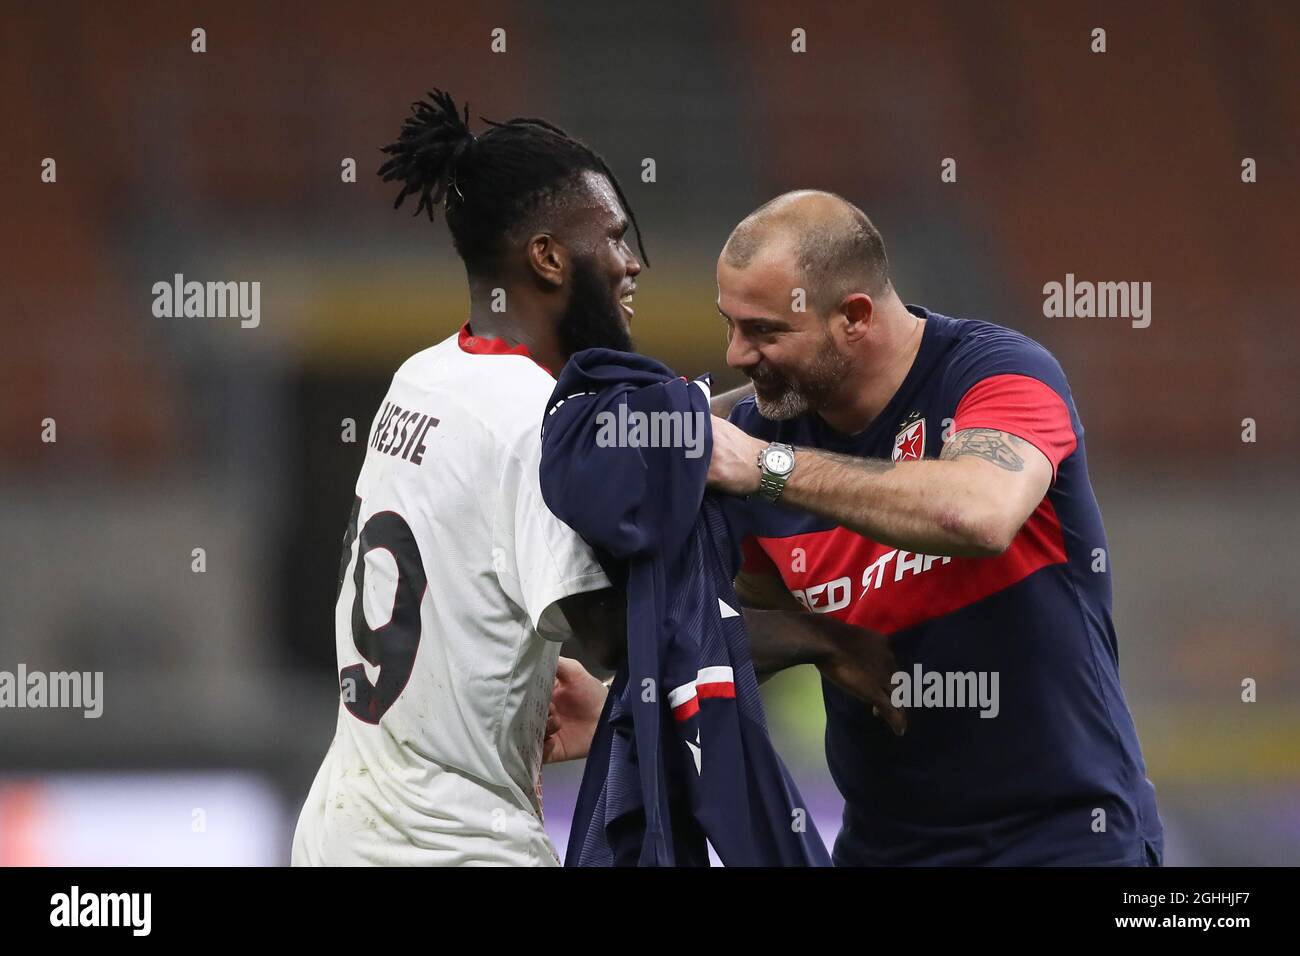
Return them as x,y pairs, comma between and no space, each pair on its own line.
789,405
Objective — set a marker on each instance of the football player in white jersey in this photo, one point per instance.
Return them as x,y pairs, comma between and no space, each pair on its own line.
457,585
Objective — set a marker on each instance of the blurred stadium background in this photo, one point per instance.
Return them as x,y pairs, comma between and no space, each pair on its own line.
183,433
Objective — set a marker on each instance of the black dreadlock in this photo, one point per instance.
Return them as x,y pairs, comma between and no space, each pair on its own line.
486,184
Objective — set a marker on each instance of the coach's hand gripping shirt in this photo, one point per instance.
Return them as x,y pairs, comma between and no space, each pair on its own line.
1020,748
445,627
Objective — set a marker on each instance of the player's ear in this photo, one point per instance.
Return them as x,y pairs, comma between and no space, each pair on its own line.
548,259
858,310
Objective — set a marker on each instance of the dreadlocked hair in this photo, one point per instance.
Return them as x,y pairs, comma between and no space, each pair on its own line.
486,184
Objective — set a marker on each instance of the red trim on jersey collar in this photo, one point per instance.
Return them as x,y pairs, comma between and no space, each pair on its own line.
478,345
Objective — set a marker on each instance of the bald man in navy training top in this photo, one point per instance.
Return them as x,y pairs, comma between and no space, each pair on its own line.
925,477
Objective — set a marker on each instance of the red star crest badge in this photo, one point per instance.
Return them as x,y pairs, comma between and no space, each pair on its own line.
909,443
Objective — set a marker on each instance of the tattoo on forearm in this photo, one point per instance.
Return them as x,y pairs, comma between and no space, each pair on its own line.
987,443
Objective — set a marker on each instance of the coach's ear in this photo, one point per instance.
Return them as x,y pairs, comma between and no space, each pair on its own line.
548,259
858,310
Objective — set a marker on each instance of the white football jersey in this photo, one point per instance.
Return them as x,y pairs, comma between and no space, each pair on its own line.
446,649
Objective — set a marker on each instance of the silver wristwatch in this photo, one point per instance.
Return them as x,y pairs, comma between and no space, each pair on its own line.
776,462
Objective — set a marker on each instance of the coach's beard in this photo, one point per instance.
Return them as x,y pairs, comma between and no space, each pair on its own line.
593,318
782,397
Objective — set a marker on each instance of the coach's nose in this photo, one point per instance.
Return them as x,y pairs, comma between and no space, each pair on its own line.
741,354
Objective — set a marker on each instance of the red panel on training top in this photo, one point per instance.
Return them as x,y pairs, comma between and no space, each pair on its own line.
1023,406
857,580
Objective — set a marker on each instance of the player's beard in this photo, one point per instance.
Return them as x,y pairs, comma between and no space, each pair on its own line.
782,396
593,318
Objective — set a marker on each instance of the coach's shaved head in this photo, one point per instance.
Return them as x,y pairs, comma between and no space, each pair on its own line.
812,316
831,241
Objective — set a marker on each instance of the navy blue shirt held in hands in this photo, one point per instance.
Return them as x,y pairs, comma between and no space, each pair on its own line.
681,753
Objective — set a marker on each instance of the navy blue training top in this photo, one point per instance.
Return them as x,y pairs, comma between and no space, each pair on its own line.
1039,763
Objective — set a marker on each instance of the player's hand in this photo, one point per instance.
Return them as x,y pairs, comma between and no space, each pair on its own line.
862,663
576,703
733,469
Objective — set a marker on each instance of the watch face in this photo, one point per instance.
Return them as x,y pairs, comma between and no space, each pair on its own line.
778,460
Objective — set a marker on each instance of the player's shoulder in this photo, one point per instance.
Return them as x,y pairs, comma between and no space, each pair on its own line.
980,349
989,342
505,393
